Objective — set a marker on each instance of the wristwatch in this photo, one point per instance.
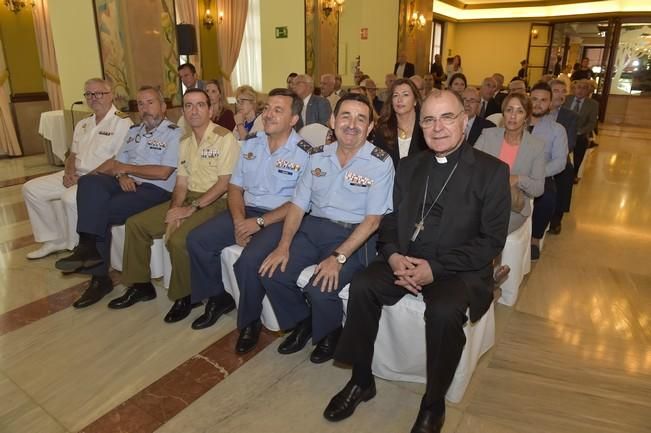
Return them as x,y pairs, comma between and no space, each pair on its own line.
195,204
119,175
260,222
341,259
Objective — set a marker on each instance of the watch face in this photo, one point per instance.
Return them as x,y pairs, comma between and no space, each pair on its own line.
260,221
341,259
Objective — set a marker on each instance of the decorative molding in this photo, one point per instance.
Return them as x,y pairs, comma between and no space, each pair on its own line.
548,19
497,5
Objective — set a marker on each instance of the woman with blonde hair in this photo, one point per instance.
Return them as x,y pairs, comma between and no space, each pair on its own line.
247,120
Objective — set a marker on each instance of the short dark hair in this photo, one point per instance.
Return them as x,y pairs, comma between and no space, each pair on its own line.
460,76
297,103
187,65
355,97
196,90
541,85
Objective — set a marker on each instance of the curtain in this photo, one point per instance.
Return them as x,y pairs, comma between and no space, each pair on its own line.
248,69
187,12
229,37
46,53
8,139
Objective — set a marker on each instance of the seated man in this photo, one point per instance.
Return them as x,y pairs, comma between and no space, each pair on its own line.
141,176
262,184
206,161
347,188
96,139
451,213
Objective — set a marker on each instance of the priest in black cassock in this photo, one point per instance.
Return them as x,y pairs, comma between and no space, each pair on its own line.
450,219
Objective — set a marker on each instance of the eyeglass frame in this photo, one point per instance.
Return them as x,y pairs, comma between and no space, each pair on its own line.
447,119
95,95
242,100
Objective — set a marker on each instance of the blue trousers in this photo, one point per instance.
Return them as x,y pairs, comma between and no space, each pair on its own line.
543,209
315,240
101,204
205,244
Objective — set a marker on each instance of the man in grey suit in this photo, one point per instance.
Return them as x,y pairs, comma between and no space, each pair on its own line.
588,111
565,179
316,109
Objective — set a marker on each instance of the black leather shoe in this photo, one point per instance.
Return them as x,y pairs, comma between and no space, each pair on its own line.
137,293
248,337
298,338
98,288
180,310
428,422
215,307
344,403
325,350
80,258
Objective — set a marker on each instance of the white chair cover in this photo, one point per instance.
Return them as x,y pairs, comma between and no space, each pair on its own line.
517,255
314,133
497,119
229,257
117,248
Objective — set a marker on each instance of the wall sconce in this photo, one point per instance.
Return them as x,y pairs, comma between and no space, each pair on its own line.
329,6
220,17
417,21
16,6
208,20
534,33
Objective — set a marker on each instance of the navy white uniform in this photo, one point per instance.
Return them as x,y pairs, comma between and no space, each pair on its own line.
338,199
101,203
268,180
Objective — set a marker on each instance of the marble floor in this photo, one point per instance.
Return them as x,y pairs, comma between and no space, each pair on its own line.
573,354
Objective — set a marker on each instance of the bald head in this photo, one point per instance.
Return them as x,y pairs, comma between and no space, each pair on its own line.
327,84
443,120
487,89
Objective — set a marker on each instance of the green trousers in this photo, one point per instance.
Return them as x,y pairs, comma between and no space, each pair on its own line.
140,232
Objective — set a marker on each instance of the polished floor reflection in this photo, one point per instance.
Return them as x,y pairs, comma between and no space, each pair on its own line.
573,355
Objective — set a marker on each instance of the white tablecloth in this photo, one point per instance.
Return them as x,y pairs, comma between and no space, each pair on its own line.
52,127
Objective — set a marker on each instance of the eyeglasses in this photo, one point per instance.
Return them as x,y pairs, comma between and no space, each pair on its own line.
243,100
95,95
471,100
447,119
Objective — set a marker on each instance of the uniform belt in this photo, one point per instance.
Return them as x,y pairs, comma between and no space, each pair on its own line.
339,223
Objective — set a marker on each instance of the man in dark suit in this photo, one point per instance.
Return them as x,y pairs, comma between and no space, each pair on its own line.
404,69
439,245
476,124
316,109
487,105
437,71
565,179
588,111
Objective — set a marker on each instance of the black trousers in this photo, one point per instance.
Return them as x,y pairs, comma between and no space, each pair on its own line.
446,302
564,185
543,209
579,152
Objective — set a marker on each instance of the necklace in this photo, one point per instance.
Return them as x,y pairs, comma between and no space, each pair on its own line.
420,226
402,134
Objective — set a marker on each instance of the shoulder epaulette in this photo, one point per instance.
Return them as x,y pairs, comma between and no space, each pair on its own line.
304,145
380,154
122,114
220,130
135,125
173,126
317,149
250,136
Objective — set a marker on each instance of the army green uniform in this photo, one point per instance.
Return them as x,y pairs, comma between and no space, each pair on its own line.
202,164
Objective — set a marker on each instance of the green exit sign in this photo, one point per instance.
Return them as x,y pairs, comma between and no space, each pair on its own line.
281,32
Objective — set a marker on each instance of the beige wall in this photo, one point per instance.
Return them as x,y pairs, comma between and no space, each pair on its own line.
378,52
281,56
21,52
75,42
486,48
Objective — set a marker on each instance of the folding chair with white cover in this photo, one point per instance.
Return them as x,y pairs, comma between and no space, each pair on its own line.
497,119
517,255
158,251
314,133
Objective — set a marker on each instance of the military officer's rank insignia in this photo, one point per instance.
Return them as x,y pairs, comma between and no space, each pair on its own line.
172,126
209,153
283,163
250,136
108,133
122,114
248,156
380,154
318,172
358,180
314,150
156,145
304,145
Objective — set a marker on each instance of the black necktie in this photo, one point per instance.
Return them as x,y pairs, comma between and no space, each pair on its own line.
530,129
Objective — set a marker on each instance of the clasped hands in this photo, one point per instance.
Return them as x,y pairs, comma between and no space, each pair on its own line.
326,275
244,230
412,273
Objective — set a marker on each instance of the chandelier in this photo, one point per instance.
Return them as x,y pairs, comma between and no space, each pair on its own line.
16,5
329,6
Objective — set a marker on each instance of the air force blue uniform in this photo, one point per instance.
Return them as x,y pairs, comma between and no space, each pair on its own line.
101,203
338,199
268,180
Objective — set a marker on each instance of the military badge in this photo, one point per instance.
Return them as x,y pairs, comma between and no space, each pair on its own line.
318,172
358,180
248,156
283,163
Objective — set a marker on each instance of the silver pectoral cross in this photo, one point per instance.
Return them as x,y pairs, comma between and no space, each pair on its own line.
419,227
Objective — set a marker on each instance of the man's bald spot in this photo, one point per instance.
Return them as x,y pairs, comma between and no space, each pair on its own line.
448,96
